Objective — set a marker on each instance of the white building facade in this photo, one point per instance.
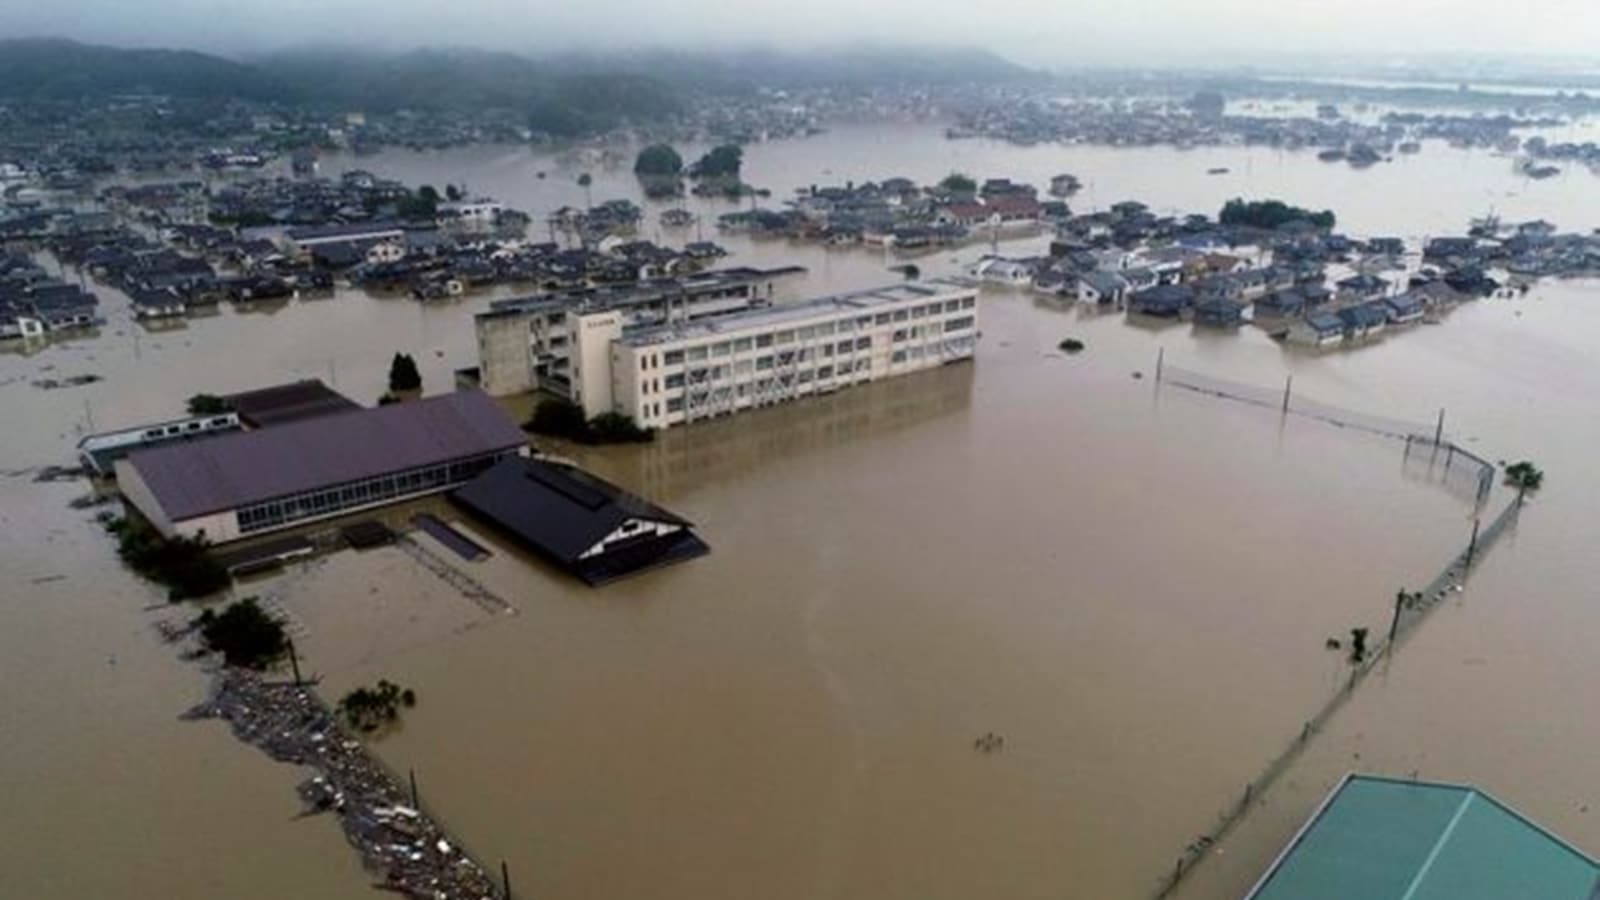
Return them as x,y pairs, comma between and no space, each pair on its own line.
675,374
559,343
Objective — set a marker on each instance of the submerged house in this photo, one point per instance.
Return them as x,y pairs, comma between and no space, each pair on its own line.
1403,309
1165,301
1284,304
582,523
1364,320
1319,329
1101,286
999,270
1219,312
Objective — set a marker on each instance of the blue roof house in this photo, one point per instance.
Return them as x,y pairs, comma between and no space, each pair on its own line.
1385,839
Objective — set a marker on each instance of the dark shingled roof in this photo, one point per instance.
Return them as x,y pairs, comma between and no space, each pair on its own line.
561,512
283,403
240,469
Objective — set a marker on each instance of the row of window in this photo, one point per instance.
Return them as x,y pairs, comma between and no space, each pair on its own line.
649,361
840,369
320,503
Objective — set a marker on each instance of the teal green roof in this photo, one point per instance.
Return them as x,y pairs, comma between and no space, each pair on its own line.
1385,839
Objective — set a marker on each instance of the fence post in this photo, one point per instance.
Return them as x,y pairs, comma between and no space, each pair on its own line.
505,879
294,662
1394,624
1161,355
1438,431
415,803
1472,545
1449,457
1288,385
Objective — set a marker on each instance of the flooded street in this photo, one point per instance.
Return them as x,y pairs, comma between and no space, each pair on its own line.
1132,585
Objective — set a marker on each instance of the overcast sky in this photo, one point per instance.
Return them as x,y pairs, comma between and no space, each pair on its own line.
1037,32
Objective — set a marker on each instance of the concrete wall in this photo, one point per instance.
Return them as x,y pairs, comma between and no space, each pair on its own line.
138,495
592,335
504,356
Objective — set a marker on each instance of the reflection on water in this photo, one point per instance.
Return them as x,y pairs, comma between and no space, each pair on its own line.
684,459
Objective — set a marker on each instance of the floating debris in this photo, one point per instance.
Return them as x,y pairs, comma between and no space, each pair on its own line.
396,840
989,743
50,384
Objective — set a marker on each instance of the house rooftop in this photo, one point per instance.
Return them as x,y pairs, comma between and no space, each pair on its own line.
283,403
644,292
244,468
1386,839
563,513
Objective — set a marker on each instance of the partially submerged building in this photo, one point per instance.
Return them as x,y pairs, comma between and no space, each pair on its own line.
536,343
281,404
676,374
668,356
259,408
1386,839
253,482
582,523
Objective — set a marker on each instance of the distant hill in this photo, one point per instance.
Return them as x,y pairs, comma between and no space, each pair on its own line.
558,98
857,66
566,94
53,69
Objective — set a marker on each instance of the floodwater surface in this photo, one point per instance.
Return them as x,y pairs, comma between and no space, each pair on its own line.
1130,585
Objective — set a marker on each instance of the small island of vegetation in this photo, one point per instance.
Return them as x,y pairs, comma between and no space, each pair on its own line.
368,709
659,169
1071,345
244,634
1271,214
957,183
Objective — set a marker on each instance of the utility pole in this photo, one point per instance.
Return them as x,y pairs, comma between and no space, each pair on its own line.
1161,355
294,662
1438,431
415,803
1472,545
505,880
1288,387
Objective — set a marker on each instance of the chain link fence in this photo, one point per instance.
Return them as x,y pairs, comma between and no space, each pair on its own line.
1429,455
1429,452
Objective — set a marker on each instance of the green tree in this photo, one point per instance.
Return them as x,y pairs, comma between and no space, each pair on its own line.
585,181
453,193
244,634
403,374
1524,476
1271,214
183,565
658,160
723,161
368,709
208,405
424,204
957,183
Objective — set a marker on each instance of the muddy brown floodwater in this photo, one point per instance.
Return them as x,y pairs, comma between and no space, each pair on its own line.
1132,587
